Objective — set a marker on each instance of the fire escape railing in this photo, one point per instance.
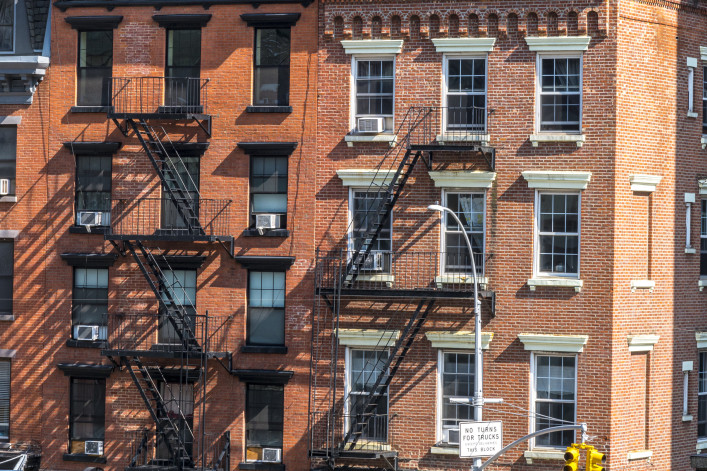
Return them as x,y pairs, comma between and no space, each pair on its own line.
159,95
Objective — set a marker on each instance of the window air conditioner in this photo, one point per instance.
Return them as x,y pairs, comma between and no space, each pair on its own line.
86,332
93,447
450,436
370,125
272,455
89,218
373,262
267,221
4,187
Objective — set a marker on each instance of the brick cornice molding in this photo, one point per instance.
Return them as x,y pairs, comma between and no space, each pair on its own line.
557,180
464,45
558,43
372,46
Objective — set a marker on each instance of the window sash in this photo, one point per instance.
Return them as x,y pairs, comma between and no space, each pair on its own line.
702,396
374,104
5,395
456,255
7,262
547,410
265,411
271,72
363,202
557,244
268,187
7,25
704,100
364,367
266,307
559,98
451,415
94,71
703,239
472,115
87,409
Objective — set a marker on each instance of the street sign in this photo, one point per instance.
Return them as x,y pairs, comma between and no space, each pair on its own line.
477,439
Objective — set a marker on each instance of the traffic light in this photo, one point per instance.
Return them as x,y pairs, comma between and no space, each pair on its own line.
595,460
571,459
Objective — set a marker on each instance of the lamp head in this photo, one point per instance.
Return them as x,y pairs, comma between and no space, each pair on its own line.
436,207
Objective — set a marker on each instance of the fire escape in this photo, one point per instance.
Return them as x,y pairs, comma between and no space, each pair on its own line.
166,353
348,432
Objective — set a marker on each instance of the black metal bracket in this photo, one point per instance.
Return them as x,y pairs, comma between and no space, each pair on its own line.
123,130
207,128
231,251
121,250
489,154
427,160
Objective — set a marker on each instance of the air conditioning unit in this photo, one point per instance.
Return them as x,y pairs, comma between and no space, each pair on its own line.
89,218
373,262
86,332
272,455
267,221
370,125
93,447
4,187
450,436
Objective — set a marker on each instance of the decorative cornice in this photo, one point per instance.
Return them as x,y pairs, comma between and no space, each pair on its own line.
182,21
641,343
359,177
89,260
255,262
464,45
553,343
462,179
84,370
268,148
556,180
460,339
368,337
372,46
558,43
644,183
93,23
263,376
63,5
270,20
92,147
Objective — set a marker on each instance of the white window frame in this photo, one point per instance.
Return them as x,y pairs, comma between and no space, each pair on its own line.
445,91
349,235
704,99
443,227
533,392
347,389
353,125
538,90
536,239
14,29
440,390
699,363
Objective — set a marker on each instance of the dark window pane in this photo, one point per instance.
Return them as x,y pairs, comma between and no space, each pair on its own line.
271,81
7,20
6,275
87,411
264,416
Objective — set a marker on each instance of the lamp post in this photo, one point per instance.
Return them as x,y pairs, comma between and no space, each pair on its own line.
478,383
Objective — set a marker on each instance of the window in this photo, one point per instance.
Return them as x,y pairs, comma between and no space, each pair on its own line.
181,285
183,69
268,189
555,385
265,411
365,206
4,399
704,100
560,94
557,234
93,189
7,262
364,368
374,90
8,159
456,379
266,308
469,208
186,172
87,412
702,397
703,239
271,71
179,406
465,87
7,25
90,303
95,68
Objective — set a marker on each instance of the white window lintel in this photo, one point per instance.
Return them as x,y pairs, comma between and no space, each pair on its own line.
701,338
460,339
575,283
641,343
462,179
372,46
364,178
464,45
553,343
557,180
642,284
703,53
644,182
558,43
541,454
639,455
368,337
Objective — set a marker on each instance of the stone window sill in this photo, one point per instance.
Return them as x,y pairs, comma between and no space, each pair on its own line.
90,109
266,233
444,450
85,230
533,283
261,466
642,285
701,444
86,343
7,316
639,455
377,278
268,109
702,283
276,349
483,139
692,114
390,139
84,458
531,455
8,199
704,141
578,139
690,250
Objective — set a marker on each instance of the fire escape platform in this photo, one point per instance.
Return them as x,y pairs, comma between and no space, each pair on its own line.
354,454
170,236
161,115
174,354
430,293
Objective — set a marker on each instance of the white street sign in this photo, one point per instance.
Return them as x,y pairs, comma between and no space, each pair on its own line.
477,439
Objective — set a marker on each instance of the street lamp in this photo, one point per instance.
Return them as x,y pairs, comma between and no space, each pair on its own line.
478,384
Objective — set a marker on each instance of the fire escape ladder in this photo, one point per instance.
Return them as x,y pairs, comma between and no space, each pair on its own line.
165,426
381,215
167,165
175,312
358,423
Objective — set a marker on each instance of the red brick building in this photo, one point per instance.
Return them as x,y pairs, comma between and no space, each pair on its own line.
566,136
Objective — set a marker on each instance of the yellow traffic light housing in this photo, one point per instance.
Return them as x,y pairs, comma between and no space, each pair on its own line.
571,459
595,460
